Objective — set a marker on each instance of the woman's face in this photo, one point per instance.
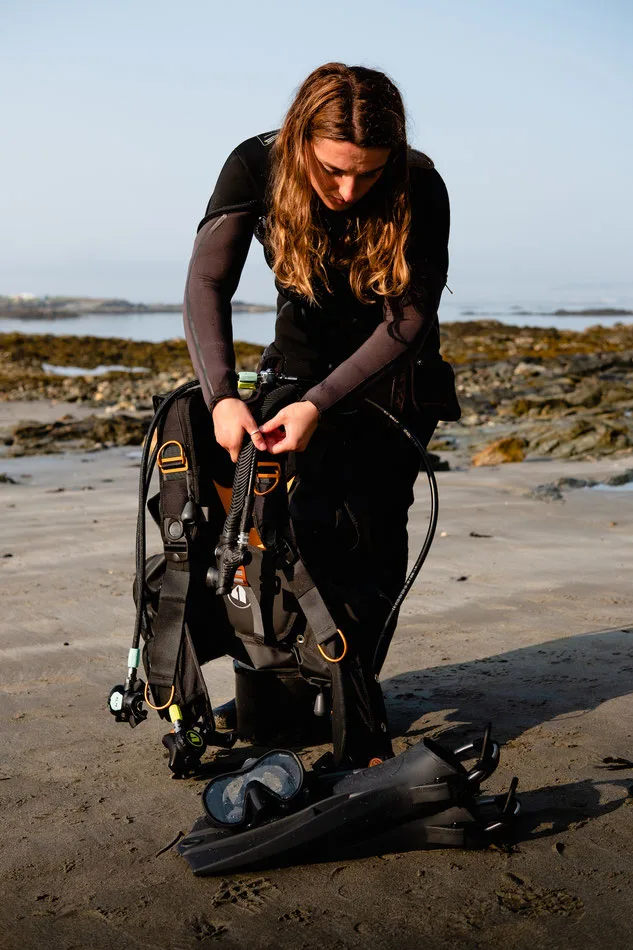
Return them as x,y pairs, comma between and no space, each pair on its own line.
342,173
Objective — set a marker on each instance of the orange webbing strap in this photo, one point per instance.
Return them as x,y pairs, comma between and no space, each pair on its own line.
268,474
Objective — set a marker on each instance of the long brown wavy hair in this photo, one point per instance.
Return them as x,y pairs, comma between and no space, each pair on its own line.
347,104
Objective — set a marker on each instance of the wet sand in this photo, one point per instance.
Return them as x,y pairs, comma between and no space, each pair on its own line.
523,615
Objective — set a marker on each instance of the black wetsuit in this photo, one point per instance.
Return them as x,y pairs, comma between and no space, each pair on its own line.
345,346
388,350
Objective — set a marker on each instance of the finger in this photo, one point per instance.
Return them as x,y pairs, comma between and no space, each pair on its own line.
269,444
273,423
258,440
287,443
224,441
290,443
279,447
273,438
234,446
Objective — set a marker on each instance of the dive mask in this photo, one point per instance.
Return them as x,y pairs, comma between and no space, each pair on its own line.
259,790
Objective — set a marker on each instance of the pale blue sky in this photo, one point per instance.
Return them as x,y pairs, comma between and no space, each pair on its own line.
117,117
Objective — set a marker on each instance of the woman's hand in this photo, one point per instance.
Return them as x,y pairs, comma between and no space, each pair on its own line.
292,428
231,419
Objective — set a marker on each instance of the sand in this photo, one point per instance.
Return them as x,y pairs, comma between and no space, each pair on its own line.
523,615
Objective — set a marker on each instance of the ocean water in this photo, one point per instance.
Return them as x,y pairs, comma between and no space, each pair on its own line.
259,327
152,327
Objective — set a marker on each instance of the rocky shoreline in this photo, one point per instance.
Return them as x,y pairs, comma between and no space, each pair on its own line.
525,392
29,307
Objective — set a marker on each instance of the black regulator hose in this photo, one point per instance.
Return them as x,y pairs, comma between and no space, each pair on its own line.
230,551
245,468
241,479
386,633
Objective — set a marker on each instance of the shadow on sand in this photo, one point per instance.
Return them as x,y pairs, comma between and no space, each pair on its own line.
521,689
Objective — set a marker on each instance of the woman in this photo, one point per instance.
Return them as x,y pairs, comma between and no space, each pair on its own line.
355,228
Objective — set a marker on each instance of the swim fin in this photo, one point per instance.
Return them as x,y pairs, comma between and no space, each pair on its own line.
422,797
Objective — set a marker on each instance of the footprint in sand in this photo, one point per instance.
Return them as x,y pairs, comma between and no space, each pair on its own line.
246,894
297,916
203,929
520,897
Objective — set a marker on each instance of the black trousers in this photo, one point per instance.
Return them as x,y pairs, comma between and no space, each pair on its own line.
350,512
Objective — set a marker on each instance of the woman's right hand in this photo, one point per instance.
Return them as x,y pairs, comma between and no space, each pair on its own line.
231,419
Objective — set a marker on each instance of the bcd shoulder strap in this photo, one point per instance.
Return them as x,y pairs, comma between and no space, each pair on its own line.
183,467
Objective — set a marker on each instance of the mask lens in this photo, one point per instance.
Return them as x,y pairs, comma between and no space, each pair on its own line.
224,798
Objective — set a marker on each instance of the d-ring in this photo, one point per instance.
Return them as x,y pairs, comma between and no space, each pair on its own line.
337,659
158,708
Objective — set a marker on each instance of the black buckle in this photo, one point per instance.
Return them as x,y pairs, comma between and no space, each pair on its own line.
175,540
285,554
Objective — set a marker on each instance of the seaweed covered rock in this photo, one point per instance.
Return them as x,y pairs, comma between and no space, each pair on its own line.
165,365
584,437
35,438
510,448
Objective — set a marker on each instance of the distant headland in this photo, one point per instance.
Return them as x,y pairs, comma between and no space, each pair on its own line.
28,306
587,312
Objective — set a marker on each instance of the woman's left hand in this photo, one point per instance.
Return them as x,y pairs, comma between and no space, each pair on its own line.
292,428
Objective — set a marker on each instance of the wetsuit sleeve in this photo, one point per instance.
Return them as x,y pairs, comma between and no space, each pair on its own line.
219,254
408,321
393,344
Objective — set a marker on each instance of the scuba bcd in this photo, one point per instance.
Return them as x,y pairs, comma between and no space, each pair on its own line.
234,580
